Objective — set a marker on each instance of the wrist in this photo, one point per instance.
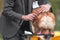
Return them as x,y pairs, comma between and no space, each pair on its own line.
49,5
22,16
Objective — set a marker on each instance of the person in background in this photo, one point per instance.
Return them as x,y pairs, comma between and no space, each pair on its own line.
16,17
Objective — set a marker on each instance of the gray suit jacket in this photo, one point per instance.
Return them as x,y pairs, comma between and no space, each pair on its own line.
11,15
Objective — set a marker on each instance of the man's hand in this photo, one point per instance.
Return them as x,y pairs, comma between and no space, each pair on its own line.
42,8
28,17
45,8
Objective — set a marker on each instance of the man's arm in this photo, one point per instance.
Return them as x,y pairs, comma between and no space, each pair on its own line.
41,2
16,17
8,11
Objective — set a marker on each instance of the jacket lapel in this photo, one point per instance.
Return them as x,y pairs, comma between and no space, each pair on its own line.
22,5
30,6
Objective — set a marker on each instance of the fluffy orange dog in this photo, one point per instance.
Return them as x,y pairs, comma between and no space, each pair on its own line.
44,23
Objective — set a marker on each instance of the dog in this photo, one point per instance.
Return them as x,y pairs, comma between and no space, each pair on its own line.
43,23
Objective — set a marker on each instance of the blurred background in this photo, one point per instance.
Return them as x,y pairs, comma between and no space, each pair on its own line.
55,8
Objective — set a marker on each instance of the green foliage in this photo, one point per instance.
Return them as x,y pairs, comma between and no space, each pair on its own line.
56,9
0,37
1,5
55,5
58,25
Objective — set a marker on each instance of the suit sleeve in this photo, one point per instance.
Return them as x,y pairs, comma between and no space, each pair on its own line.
40,2
8,11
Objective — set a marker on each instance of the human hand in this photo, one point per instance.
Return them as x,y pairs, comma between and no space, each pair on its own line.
42,8
45,7
28,17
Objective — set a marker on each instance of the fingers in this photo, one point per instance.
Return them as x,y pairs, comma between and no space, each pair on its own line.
41,9
45,8
31,17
